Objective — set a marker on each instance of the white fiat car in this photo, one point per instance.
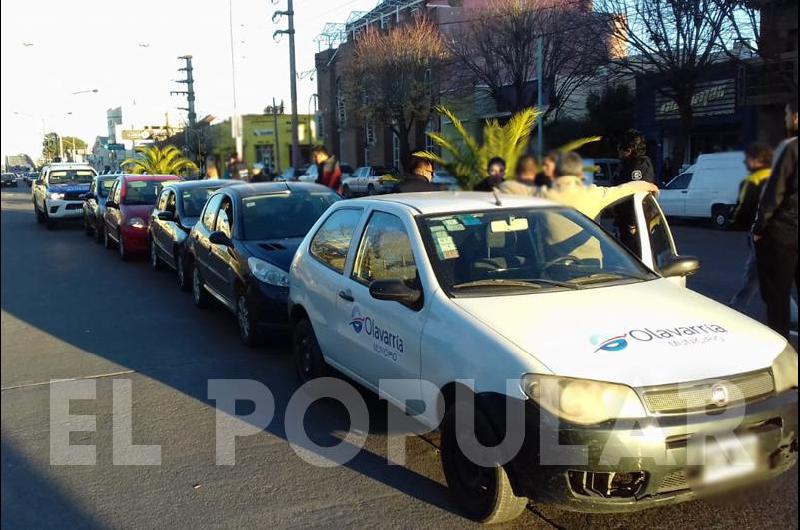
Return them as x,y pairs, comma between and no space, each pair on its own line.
635,391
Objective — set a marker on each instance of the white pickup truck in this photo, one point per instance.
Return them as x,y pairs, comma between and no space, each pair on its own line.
58,194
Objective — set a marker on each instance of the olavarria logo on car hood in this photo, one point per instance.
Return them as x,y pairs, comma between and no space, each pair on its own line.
642,334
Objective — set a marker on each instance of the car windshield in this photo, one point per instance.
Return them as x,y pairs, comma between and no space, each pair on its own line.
522,250
141,192
194,199
105,186
71,176
285,214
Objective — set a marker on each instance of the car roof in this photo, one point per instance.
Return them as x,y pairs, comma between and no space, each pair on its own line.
69,165
437,202
205,183
129,176
246,189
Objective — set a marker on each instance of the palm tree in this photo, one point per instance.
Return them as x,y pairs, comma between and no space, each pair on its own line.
154,161
466,159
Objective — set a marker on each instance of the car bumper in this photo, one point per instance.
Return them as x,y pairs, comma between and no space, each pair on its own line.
58,209
635,466
270,305
134,239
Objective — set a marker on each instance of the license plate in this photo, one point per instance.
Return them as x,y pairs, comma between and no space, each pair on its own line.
729,457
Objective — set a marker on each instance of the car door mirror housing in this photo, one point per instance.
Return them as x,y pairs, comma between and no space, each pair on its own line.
110,204
680,266
166,216
218,238
396,291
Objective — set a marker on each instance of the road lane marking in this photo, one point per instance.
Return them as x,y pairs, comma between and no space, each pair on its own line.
51,381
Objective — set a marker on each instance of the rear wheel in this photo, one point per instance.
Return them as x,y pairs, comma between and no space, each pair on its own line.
484,494
346,191
308,359
719,216
199,294
371,190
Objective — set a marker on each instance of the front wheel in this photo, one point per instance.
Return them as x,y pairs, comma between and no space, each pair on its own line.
181,272
200,296
107,241
87,227
484,494
39,214
155,261
248,331
308,360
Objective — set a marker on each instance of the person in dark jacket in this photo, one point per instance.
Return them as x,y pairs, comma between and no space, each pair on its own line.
758,159
634,166
496,168
775,231
419,179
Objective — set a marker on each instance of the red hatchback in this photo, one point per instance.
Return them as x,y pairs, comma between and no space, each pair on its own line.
130,202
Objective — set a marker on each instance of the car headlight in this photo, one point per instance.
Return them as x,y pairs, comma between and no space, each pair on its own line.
268,273
56,196
582,401
784,369
137,222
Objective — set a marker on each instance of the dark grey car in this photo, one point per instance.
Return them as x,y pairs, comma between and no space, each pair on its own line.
94,206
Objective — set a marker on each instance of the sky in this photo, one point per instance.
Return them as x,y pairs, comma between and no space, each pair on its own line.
129,52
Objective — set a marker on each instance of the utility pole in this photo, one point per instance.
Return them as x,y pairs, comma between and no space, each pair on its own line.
275,110
289,13
189,93
540,96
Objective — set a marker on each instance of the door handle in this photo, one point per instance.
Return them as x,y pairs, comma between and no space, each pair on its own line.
346,295
685,192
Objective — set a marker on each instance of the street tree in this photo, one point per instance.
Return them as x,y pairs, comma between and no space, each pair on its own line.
153,160
675,39
50,146
498,47
391,78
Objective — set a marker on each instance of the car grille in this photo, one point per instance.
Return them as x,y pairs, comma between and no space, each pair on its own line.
74,207
73,195
675,481
691,397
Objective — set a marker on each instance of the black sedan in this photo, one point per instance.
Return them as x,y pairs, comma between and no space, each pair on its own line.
94,206
243,246
177,210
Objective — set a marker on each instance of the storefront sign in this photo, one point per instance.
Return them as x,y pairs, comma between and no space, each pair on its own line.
714,98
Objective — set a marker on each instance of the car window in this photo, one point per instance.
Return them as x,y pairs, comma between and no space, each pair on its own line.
162,201
117,191
524,250
210,213
105,187
171,202
681,182
661,242
141,192
332,241
193,200
225,217
385,251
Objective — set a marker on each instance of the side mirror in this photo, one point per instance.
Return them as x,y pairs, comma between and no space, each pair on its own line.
40,182
680,266
396,291
166,216
218,238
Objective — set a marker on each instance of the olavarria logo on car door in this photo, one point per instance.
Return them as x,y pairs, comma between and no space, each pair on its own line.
385,342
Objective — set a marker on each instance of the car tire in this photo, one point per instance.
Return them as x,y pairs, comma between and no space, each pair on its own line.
308,360
346,192
39,214
87,228
182,275
155,261
483,494
200,296
248,331
99,233
720,215
107,241
124,255
371,190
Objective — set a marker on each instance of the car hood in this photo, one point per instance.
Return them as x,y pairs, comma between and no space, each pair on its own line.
69,188
643,334
279,252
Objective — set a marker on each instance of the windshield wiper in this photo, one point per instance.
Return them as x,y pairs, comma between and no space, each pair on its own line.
535,283
602,277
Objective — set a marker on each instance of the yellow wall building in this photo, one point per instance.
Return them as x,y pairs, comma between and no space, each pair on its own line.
259,140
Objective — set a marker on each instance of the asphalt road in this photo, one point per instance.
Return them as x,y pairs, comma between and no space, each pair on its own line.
71,309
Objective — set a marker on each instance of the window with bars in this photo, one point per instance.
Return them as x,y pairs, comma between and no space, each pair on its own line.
341,108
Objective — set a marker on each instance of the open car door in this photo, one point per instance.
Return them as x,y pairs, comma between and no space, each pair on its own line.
653,241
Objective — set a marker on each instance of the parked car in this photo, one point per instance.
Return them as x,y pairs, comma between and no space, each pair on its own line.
600,171
94,206
485,303
290,174
242,247
446,180
31,177
707,190
58,193
176,212
370,180
128,208
9,180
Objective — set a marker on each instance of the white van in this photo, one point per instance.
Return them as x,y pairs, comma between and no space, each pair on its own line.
475,298
707,190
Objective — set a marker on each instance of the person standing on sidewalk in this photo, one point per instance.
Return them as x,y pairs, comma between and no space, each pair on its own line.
775,231
758,159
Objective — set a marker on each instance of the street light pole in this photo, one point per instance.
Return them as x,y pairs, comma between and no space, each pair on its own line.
292,77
